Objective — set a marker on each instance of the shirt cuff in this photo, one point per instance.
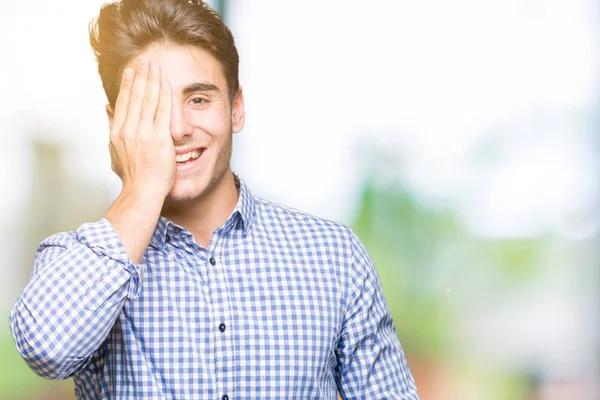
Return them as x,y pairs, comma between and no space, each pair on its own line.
112,281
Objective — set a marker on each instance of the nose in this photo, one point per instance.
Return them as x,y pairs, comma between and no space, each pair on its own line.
180,127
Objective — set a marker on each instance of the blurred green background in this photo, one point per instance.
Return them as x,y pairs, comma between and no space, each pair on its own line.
459,140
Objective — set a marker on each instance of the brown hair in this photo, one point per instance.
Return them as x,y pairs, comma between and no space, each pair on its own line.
125,28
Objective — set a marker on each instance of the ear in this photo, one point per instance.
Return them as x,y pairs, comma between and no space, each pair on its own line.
238,116
111,115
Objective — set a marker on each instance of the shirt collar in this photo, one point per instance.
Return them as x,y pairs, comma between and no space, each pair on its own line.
242,213
160,233
244,207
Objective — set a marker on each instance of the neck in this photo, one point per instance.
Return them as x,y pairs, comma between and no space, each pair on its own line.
202,215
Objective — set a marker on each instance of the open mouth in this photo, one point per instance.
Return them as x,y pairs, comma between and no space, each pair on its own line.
189,157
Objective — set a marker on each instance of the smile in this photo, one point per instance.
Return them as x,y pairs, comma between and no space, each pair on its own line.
188,157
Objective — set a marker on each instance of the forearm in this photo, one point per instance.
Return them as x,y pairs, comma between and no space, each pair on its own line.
134,216
81,282
73,299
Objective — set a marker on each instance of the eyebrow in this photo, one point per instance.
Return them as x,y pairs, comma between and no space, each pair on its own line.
200,87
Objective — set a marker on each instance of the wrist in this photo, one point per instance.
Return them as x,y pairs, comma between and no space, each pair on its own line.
147,193
134,216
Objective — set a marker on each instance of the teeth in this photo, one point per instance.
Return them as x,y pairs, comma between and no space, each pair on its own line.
180,158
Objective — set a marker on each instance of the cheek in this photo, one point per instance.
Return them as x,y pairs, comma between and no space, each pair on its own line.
213,121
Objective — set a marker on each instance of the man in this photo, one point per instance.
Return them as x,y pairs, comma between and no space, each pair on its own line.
189,287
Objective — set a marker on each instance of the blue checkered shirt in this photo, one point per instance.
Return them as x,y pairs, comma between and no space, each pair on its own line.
281,305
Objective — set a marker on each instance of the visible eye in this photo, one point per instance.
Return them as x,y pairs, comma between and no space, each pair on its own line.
198,102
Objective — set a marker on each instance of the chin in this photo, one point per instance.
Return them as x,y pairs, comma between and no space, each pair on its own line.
181,198
185,191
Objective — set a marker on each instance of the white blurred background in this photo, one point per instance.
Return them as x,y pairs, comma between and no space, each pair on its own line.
459,139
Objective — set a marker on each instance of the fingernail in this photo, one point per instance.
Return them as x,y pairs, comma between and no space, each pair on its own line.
143,62
128,74
154,63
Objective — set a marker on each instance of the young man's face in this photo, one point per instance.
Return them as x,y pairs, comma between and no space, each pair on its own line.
202,119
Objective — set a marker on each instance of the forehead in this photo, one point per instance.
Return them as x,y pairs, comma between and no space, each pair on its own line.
184,65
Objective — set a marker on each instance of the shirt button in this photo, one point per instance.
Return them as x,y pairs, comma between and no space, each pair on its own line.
212,261
167,238
225,397
177,229
222,327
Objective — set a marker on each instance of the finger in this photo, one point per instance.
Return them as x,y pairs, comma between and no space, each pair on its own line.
165,105
137,96
150,102
120,111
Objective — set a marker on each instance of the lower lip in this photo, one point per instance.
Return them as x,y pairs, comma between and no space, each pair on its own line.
189,164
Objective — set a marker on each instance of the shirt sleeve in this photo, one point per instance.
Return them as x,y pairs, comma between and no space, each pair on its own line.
371,362
79,284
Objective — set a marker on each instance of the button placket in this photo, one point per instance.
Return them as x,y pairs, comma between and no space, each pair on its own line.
222,312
